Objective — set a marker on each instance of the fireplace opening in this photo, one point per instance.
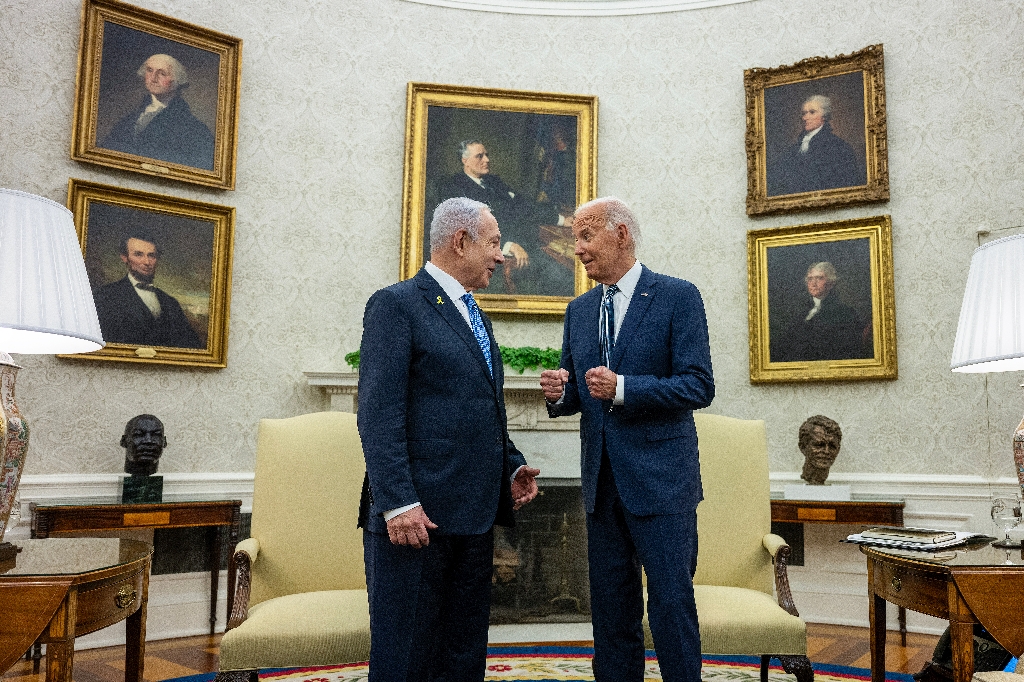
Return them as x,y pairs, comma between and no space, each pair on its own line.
540,566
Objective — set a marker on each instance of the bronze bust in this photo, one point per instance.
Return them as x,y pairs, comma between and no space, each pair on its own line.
819,440
143,442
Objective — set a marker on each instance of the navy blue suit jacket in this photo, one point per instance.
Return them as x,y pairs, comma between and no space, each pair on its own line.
431,418
663,353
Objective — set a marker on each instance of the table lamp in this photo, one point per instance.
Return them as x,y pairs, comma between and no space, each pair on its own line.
990,334
46,307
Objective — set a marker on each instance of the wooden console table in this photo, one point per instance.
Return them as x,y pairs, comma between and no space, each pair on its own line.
108,515
871,512
980,584
56,590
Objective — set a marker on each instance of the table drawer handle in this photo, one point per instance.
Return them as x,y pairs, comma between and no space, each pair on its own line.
125,596
897,584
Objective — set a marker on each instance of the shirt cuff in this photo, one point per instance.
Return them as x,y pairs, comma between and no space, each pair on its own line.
515,473
560,398
388,515
620,390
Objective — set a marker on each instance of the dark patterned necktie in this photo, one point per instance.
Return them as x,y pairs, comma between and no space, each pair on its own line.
606,331
476,323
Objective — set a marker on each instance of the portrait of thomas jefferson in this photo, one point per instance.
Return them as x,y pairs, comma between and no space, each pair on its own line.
157,98
815,136
819,301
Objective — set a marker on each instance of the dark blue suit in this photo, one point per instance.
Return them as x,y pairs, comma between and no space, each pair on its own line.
640,472
433,429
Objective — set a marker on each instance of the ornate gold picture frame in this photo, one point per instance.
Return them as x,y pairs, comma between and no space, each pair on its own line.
160,270
821,304
156,95
530,156
816,133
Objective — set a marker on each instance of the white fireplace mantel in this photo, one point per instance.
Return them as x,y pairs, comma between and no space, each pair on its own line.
524,402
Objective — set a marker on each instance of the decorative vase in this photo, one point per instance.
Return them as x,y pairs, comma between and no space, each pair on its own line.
13,441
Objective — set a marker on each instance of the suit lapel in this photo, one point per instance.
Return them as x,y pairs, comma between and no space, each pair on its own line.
439,301
638,305
590,315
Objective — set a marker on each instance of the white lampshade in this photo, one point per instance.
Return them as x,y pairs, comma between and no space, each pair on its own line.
46,305
990,334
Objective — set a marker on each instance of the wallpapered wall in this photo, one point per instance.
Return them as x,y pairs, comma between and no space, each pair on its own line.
319,199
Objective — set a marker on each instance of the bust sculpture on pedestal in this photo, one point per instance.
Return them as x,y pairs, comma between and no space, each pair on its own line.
143,442
819,440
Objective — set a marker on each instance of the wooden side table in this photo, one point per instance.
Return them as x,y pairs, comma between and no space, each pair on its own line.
56,590
871,512
56,519
963,585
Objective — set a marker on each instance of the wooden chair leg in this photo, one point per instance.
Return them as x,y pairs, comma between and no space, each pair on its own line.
765,662
799,666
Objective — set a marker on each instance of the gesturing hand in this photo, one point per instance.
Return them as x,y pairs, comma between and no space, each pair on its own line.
601,381
524,486
410,528
552,382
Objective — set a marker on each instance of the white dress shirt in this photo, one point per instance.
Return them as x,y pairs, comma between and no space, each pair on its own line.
627,285
147,295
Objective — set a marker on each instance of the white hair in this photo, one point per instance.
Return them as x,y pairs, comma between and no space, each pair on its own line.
825,268
616,213
465,145
452,215
824,102
178,72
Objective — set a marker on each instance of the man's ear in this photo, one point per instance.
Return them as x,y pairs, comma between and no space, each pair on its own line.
124,259
124,441
459,241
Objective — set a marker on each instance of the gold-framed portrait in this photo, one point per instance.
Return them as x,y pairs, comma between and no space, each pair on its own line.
816,133
160,272
821,305
156,95
530,156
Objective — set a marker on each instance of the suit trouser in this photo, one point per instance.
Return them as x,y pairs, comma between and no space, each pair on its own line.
619,543
429,607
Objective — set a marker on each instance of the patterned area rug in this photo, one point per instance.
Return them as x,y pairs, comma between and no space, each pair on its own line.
551,663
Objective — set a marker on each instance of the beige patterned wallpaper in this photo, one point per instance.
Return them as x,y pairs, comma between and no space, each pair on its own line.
319,187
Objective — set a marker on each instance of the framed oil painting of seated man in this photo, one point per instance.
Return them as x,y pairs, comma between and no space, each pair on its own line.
816,133
530,157
156,95
160,272
821,302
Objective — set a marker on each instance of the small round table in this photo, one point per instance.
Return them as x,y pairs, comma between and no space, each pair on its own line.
965,585
57,589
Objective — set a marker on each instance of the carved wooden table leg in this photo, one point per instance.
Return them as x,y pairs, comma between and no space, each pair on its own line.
135,636
876,622
213,547
60,644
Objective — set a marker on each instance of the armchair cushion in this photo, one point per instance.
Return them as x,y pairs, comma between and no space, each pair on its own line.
307,629
734,620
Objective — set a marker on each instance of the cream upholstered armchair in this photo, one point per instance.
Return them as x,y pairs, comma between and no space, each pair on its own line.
300,595
739,561
998,676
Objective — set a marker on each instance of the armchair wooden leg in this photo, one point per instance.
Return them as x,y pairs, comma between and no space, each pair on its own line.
799,666
237,676
765,662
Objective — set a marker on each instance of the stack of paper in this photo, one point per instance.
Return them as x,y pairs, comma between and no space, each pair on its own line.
921,539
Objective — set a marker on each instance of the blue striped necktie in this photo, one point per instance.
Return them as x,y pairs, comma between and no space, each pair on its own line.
606,330
476,323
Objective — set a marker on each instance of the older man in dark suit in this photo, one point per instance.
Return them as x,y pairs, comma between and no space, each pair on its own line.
636,363
132,310
529,270
441,469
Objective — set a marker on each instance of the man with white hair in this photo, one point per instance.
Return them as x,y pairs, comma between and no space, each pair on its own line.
163,126
635,362
823,327
528,269
819,160
441,470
